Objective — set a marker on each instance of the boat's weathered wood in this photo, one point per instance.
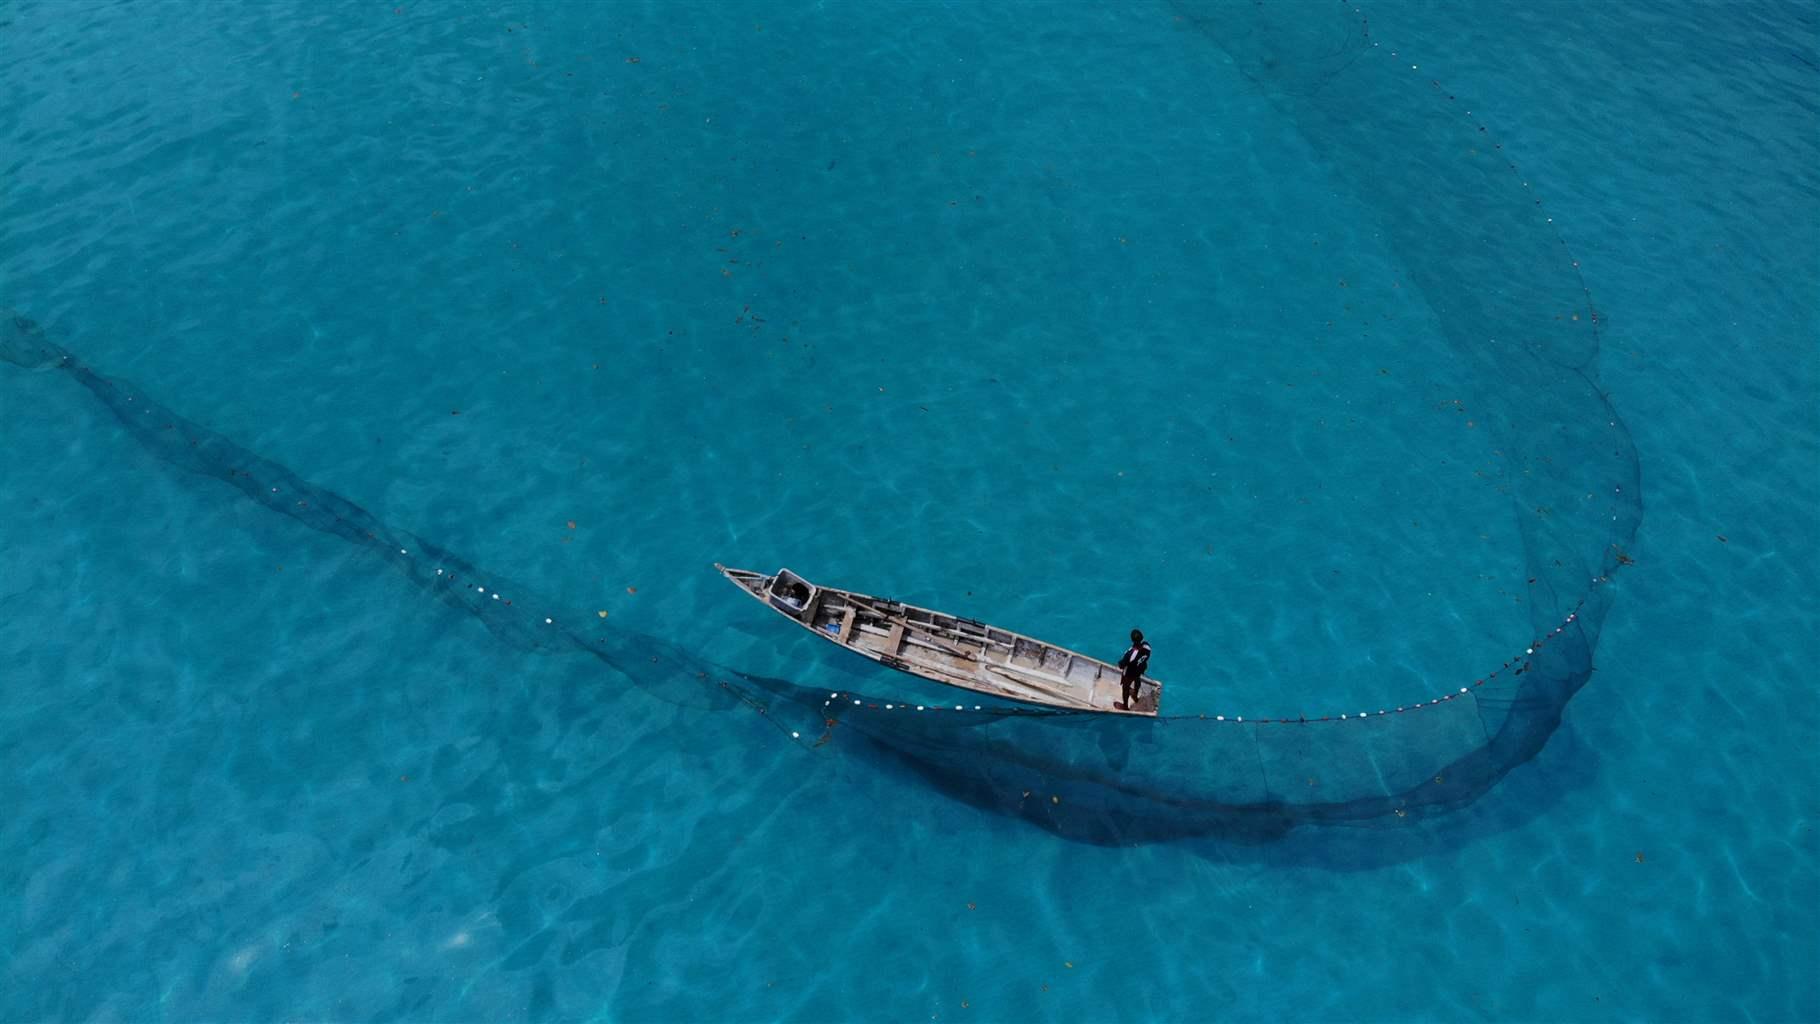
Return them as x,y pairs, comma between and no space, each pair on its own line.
1032,681
960,652
922,634
1023,690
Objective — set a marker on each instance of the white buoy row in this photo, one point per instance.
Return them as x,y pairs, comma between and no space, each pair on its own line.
861,703
496,595
1584,288
1567,623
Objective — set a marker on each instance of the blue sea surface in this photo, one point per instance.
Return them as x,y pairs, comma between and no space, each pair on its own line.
1066,317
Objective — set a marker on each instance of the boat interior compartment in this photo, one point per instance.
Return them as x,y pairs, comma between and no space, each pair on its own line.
791,594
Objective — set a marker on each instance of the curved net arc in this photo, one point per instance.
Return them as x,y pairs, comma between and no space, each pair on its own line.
1509,299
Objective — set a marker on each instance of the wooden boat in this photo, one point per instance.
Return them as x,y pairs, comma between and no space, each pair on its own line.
946,648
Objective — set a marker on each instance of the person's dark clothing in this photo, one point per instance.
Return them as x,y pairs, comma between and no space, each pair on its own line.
1136,660
1131,668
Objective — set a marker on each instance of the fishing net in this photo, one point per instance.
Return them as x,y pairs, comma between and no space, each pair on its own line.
509,610
1476,238
1477,241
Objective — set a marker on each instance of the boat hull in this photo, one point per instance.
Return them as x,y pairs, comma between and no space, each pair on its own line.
960,652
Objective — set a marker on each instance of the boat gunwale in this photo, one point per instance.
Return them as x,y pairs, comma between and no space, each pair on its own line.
892,661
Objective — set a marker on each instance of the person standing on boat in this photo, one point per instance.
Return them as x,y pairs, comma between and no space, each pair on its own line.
1132,667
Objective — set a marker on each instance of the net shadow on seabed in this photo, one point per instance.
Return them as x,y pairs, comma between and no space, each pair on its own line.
1509,299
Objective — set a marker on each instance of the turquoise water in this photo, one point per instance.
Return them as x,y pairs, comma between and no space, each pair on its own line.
1068,318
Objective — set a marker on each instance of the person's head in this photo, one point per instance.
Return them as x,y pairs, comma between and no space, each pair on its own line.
1137,636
